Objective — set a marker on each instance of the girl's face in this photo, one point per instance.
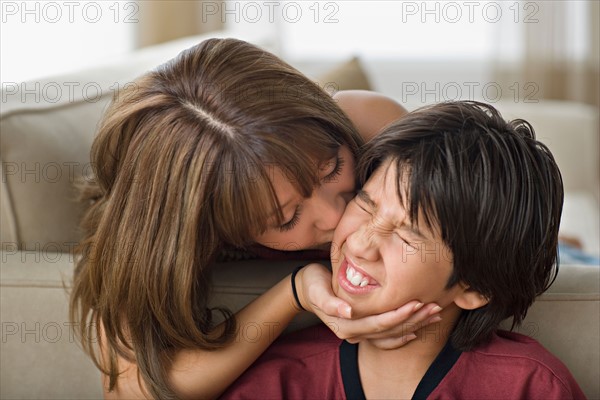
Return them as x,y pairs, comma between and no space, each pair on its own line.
308,223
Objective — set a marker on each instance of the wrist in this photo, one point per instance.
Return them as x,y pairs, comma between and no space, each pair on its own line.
296,278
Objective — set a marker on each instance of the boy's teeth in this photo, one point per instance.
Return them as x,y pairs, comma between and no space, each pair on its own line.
356,278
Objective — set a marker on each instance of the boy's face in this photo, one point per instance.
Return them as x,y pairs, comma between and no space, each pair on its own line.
380,260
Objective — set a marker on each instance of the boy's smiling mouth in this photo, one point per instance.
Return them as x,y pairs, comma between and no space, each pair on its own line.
354,280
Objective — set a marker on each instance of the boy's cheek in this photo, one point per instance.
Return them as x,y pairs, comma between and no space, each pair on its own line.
334,286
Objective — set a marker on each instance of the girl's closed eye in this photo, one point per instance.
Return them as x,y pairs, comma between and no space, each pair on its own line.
337,169
287,226
339,164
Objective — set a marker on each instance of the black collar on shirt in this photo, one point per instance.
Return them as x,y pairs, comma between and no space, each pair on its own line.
442,364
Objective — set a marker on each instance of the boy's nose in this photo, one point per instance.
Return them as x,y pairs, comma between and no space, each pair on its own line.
363,243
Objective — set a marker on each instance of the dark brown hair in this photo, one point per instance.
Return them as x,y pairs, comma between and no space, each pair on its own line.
182,160
495,193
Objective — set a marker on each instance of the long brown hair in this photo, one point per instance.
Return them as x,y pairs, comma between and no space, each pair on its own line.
181,162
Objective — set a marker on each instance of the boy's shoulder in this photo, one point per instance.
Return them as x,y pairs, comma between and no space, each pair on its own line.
515,346
510,365
520,349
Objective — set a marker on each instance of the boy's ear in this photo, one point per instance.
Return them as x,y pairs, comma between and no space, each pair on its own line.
469,299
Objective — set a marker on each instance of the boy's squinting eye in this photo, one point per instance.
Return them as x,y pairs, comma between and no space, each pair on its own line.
408,243
361,205
364,202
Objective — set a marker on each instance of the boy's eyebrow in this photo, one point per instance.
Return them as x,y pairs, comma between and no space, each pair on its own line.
364,196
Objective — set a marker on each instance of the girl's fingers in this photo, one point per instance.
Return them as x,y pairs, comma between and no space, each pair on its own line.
393,325
426,316
405,328
345,328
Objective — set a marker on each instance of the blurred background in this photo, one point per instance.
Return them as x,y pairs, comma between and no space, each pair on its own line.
523,50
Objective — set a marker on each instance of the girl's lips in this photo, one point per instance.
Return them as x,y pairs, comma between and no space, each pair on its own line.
347,286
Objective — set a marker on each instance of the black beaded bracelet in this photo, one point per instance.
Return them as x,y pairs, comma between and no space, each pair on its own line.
294,291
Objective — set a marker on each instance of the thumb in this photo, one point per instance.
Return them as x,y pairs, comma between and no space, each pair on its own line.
333,306
344,310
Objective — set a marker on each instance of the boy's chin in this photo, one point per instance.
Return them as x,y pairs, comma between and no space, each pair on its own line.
362,312
360,309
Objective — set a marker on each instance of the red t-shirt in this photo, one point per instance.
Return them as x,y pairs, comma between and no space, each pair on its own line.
315,364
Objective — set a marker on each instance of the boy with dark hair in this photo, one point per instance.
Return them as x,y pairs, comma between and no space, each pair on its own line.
460,208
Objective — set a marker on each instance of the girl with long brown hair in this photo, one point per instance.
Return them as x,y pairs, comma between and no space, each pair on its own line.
223,147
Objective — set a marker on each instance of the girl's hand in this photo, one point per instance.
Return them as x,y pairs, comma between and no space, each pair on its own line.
389,330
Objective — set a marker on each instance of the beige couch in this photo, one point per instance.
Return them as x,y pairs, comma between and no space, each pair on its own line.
46,131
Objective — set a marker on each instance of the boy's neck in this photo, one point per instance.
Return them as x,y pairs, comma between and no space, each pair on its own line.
396,373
